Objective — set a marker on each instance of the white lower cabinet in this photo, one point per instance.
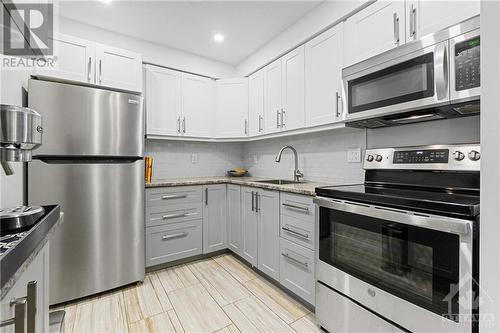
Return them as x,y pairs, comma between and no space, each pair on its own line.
33,284
214,218
249,222
234,225
267,207
297,269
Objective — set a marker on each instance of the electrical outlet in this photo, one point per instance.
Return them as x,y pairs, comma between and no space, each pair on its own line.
354,155
194,158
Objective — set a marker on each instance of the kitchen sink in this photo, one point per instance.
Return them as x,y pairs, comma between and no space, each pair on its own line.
278,181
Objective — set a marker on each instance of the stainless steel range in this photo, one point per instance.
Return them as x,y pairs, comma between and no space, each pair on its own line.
400,251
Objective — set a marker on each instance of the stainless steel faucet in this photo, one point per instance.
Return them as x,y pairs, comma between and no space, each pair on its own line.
296,172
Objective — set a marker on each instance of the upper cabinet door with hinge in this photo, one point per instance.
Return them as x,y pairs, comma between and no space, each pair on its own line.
197,105
375,29
256,104
118,68
426,17
163,101
75,59
292,111
231,115
323,77
272,97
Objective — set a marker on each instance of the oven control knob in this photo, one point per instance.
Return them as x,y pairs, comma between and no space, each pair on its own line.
458,155
369,158
474,155
378,158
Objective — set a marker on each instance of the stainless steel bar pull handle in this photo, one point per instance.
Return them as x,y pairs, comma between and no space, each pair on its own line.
173,236
305,209
89,69
286,255
184,125
260,123
31,307
306,236
441,72
178,124
283,118
174,216
19,305
246,126
257,195
253,201
206,196
413,22
100,71
277,119
337,109
396,28
174,196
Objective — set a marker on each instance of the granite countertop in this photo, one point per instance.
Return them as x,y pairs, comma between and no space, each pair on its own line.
15,261
306,187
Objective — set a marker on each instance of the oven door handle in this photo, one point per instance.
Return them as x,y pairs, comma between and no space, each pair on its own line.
434,222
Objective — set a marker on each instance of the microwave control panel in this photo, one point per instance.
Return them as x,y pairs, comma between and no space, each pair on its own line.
467,64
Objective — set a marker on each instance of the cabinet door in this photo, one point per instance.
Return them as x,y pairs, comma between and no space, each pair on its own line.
375,29
118,68
426,17
75,59
231,115
163,101
249,225
235,231
214,218
267,205
256,103
324,77
272,97
197,105
293,105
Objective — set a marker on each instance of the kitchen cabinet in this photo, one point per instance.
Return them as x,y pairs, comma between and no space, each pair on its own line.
323,77
268,215
292,111
373,30
235,227
86,61
272,97
163,101
426,17
249,223
197,103
231,113
256,104
33,285
214,218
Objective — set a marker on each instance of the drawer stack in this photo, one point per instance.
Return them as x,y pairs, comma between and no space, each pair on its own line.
173,223
297,244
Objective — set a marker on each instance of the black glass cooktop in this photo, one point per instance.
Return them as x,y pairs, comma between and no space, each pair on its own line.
442,202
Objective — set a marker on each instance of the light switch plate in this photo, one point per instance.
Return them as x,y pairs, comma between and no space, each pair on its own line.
194,158
354,155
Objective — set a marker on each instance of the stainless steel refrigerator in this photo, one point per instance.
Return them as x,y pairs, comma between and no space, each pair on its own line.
91,163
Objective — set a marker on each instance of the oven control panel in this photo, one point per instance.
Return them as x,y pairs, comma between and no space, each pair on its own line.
437,157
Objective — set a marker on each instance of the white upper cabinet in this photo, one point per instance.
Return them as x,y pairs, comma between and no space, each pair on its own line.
323,56
197,106
426,17
256,104
292,110
373,30
163,101
118,68
272,97
231,118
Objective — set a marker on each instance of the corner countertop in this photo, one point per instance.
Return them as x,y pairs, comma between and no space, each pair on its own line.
306,188
15,261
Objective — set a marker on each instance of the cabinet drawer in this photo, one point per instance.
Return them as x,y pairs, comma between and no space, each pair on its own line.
297,269
164,196
172,242
297,206
162,215
297,230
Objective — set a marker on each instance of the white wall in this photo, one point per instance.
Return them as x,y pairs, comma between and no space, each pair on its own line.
151,52
320,18
172,159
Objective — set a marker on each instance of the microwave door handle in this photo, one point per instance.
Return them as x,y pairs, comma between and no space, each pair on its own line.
441,70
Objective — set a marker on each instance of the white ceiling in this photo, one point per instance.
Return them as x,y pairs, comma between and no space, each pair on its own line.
190,25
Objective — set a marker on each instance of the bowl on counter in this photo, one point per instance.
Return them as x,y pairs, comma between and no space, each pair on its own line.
237,173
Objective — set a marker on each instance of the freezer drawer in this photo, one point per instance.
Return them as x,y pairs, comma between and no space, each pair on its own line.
172,242
165,196
161,215
86,121
100,244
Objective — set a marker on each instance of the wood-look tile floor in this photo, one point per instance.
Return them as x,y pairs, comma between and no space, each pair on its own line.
219,294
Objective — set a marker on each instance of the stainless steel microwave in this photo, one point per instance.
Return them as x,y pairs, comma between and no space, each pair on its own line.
433,78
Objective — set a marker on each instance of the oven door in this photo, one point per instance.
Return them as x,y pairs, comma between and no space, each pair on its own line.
410,82
411,268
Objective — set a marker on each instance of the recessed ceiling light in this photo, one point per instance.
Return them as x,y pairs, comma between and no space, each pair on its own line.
218,38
